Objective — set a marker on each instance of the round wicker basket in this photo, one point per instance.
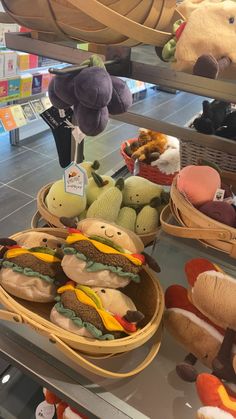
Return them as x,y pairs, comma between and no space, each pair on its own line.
54,221
147,296
196,225
117,22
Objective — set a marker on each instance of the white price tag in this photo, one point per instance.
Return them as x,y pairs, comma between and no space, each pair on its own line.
219,195
45,411
75,178
136,168
62,113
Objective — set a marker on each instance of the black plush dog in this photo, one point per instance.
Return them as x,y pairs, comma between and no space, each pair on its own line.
213,117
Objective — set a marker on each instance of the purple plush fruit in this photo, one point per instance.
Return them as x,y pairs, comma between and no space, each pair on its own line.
121,97
64,88
56,101
93,87
91,121
220,211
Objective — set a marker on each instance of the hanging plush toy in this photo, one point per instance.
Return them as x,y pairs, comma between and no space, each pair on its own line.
93,93
204,44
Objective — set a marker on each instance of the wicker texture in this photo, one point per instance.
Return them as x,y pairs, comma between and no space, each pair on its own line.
114,22
190,152
148,297
195,225
147,171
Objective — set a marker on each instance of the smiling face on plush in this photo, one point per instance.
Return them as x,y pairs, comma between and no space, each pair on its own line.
64,204
139,191
118,235
210,29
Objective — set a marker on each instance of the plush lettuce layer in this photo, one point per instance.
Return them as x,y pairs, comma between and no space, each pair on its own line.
92,266
25,271
70,314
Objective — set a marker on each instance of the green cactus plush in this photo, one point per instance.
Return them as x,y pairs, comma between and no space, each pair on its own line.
148,218
64,204
97,185
139,191
90,167
108,204
127,218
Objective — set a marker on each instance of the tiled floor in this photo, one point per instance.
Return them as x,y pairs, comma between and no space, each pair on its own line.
25,168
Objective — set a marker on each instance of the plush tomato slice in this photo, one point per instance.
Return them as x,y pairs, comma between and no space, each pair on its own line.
139,256
129,327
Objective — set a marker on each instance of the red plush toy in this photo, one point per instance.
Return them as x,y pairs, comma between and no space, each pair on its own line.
64,411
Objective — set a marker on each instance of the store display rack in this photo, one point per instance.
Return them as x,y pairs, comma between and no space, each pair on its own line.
154,393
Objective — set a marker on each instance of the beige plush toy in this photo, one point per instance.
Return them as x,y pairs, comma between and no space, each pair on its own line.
205,43
102,254
186,7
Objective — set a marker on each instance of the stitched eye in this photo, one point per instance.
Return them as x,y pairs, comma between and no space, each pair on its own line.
119,233
102,226
54,199
60,205
231,20
103,291
45,240
137,194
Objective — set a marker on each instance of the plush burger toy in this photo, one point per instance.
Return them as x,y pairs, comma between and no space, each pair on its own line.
32,274
102,254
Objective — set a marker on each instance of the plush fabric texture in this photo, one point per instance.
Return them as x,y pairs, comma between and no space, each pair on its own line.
186,7
64,88
91,121
115,301
69,414
195,267
119,235
220,211
64,204
56,101
198,183
140,191
37,239
210,30
74,268
93,88
68,324
209,412
212,392
27,288
210,293
121,98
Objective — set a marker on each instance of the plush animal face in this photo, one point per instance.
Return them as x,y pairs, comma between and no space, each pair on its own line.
118,235
63,204
37,239
210,29
115,301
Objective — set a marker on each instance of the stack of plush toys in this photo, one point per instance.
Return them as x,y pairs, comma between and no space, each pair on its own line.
202,319
203,41
93,93
202,186
84,274
157,149
135,203
63,410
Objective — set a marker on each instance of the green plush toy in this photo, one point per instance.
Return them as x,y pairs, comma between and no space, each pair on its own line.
90,167
127,218
97,185
139,191
148,218
64,204
108,204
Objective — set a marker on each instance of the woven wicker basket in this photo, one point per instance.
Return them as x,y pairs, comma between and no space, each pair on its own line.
148,297
147,171
196,225
54,221
117,22
191,152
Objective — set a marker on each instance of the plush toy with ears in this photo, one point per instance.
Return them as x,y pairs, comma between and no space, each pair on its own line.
204,44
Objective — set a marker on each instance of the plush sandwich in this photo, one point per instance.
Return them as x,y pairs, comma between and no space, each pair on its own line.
32,274
102,254
97,313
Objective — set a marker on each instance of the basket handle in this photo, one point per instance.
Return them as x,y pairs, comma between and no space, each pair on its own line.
190,232
89,366
121,24
10,316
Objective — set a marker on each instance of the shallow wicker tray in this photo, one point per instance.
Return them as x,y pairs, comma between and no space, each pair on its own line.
54,221
196,225
148,297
